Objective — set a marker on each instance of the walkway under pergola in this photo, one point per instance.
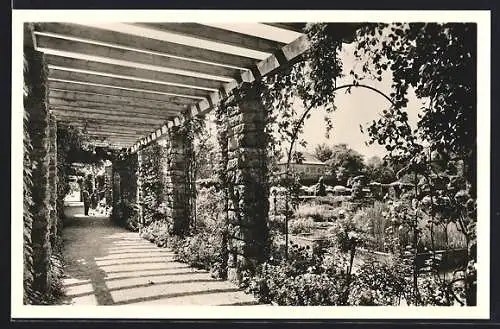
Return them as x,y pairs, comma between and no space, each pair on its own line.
134,87
127,83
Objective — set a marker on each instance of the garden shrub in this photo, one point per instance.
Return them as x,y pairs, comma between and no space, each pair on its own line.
126,214
301,225
303,279
158,233
318,212
378,283
202,250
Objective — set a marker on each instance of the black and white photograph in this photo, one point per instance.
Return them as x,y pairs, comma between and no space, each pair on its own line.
243,164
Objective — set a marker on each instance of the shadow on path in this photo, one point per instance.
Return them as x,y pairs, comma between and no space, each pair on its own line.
108,265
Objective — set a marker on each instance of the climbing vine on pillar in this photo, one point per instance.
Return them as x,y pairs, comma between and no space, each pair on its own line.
126,212
152,179
35,105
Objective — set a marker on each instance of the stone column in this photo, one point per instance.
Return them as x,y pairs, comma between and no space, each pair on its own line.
248,203
53,179
140,198
108,182
35,104
175,175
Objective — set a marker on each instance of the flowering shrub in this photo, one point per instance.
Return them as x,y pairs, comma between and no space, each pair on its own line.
378,283
303,279
202,250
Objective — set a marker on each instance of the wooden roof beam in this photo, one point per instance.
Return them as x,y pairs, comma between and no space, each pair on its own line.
63,63
115,100
45,43
218,35
64,113
110,127
144,43
96,132
160,113
59,75
117,113
80,121
75,86
289,52
296,27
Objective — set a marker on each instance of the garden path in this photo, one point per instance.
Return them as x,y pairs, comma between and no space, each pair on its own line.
108,265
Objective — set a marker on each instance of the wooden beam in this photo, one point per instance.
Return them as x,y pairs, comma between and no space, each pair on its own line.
115,100
143,43
85,114
95,132
126,83
76,121
81,48
160,113
296,27
129,140
219,35
122,93
112,129
117,113
267,66
80,64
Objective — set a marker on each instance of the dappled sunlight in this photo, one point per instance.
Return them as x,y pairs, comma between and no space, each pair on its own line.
107,265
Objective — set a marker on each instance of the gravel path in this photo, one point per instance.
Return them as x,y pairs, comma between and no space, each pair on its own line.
108,265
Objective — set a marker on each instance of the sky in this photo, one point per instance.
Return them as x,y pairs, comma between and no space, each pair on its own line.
360,107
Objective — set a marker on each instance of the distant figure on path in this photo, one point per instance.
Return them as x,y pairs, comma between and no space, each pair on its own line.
86,202
320,188
94,198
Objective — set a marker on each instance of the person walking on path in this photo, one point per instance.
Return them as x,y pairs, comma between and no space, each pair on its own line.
86,202
94,199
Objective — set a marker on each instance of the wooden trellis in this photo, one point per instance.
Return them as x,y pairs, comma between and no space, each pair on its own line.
127,84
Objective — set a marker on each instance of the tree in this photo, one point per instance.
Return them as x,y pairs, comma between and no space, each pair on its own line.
345,162
323,152
439,62
380,171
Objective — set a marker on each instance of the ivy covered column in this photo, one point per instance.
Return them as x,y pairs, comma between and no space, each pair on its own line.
176,180
53,179
248,187
35,104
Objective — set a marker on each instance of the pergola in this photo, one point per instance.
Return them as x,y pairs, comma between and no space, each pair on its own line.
130,85
127,84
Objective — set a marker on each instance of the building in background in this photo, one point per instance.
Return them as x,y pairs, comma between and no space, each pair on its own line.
308,167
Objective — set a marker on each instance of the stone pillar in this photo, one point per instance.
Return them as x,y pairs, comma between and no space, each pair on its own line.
175,175
248,203
53,179
35,104
139,189
108,183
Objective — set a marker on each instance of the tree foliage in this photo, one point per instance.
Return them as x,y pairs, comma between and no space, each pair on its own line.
323,152
378,170
438,61
345,162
